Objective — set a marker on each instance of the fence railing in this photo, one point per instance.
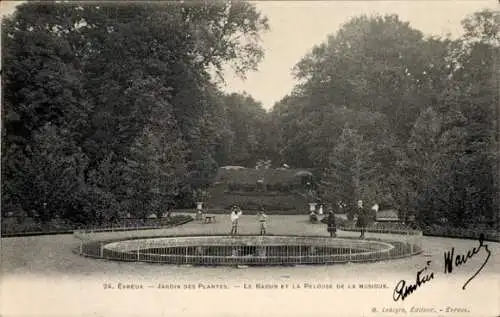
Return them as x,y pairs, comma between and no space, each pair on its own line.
396,231
247,250
13,229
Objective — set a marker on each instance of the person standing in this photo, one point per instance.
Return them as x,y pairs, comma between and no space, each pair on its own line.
199,215
263,222
362,219
331,226
235,216
313,217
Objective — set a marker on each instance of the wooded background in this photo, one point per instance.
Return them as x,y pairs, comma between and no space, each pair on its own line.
113,109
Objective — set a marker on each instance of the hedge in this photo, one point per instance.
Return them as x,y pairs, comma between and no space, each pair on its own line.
12,228
435,230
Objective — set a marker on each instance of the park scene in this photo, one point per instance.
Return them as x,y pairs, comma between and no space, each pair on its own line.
127,161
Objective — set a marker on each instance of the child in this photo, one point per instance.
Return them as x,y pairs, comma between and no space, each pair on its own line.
235,215
262,220
313,217
199,215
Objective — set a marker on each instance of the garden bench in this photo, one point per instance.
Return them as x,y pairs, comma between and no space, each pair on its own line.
209,219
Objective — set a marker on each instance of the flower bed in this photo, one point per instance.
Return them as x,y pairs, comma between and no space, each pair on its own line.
255,201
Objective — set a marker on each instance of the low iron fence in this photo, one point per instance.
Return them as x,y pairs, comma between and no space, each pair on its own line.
14,229
246,249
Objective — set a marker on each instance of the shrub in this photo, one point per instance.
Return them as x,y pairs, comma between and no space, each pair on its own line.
10,226
458,232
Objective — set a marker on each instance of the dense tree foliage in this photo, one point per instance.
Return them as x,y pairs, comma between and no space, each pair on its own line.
111,109
116,109
389,116
245,141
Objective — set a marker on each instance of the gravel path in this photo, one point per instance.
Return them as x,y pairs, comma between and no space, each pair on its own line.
45,269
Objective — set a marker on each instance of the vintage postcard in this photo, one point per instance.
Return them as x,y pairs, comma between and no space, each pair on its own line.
250,158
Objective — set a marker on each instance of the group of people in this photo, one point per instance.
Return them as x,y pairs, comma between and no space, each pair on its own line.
362,220
236,213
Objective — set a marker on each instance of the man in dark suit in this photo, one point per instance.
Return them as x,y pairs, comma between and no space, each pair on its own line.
362,219
332,228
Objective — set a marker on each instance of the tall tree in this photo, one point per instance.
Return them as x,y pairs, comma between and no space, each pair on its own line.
117,84
245,121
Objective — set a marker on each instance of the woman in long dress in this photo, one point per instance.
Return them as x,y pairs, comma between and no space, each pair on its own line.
332,228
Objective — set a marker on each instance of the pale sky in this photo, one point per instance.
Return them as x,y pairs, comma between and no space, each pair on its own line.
296,26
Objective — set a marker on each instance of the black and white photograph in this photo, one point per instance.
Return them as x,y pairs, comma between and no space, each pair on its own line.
250,158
